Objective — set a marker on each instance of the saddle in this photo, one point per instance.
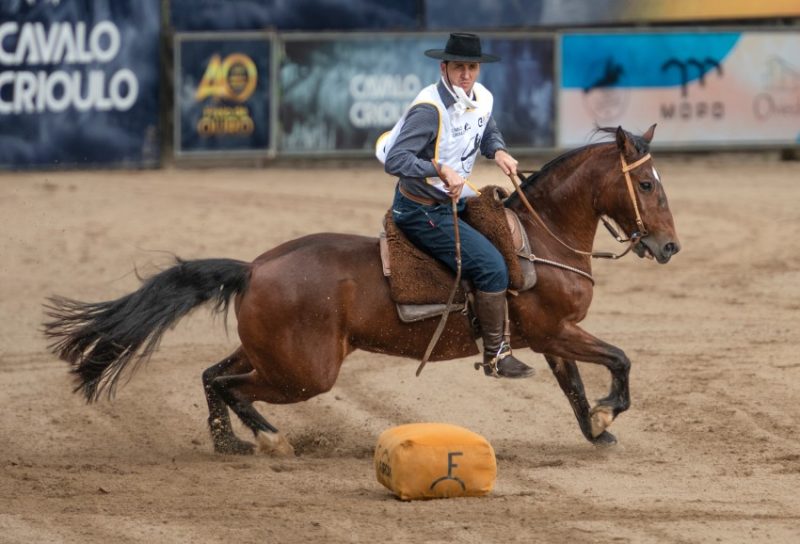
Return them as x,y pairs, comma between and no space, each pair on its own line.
420,284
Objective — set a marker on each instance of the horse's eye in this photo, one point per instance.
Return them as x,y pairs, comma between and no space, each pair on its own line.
646,186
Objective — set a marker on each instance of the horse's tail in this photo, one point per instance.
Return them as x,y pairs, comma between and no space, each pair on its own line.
99,339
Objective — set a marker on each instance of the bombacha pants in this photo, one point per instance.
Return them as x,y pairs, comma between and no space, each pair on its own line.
431,228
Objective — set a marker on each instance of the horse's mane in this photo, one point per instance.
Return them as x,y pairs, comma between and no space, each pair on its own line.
641,145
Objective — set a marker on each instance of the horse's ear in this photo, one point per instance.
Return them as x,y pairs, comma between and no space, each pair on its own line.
648,136
624,143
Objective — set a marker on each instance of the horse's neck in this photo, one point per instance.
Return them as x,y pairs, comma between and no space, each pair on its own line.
564,198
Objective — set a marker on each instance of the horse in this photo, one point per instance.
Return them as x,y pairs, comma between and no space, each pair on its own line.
305,305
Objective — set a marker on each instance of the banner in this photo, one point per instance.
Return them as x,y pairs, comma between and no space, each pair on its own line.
205,15
79,83
495,14
713,89
340,93
523,85
222,93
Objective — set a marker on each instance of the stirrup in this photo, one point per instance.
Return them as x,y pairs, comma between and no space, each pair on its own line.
505,365
490,367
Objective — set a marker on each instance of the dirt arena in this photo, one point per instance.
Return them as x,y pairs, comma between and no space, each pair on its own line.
709,451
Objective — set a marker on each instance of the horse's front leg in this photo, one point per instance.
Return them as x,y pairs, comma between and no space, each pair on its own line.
566,372
573,343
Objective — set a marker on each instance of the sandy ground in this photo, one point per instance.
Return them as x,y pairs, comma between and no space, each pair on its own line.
708,452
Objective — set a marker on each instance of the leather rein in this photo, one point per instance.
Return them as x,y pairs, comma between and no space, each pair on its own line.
633,239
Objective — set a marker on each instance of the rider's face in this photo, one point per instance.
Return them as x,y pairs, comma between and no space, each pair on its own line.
461,74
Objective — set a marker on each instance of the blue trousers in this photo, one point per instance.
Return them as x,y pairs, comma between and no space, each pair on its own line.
431,228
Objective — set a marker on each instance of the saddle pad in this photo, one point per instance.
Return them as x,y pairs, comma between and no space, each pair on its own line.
486,213
415,277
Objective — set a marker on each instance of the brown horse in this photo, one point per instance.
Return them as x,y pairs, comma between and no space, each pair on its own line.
305,305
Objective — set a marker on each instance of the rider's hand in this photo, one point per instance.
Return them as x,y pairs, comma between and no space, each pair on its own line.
453,181
506,162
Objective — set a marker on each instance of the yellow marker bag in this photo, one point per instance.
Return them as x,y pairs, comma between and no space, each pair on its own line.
434,460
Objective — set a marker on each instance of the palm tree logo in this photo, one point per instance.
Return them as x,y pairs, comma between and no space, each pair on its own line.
683,69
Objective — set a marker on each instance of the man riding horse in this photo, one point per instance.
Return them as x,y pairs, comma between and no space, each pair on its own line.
432,150
296,330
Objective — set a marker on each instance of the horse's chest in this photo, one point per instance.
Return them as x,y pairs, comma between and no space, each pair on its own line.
564,296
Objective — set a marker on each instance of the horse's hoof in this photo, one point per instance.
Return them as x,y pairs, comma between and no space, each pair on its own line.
602,417
604,439
274,444
234,446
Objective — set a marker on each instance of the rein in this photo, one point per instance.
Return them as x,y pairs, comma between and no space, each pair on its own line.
633,239
449,307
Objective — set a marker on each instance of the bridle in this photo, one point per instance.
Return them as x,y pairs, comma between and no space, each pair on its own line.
626,169
633,239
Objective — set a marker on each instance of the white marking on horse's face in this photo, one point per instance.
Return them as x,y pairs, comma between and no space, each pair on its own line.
655,174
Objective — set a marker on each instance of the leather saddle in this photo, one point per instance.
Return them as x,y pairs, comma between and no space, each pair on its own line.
420,284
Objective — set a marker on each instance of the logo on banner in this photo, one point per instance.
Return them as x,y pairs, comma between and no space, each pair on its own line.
686,109
605,101
233,80
684,66
68,46
379,100
781,95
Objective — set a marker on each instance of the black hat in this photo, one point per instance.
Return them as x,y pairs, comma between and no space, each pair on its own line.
462,47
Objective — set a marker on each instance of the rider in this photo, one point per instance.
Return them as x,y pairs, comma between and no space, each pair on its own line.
432,149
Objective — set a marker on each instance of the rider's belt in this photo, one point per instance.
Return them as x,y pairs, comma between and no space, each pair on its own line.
418,199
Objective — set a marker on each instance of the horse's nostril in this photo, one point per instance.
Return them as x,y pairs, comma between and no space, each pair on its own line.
671,248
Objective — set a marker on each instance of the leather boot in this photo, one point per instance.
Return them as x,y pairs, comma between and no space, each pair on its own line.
497,358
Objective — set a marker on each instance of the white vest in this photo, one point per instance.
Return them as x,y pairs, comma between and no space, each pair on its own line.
459,138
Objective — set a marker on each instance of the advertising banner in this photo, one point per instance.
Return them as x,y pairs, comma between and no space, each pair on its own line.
222,93
79,83
710,89
494,14
216,15
340,93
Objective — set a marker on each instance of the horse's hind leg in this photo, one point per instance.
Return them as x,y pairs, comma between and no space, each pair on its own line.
238,392
219,421
566,372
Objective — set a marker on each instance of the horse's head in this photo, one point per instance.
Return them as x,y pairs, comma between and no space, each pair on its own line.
632,195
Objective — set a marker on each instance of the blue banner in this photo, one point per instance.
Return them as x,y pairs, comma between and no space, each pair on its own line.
523,87
203,15
79,83
641,60
222,93
342,93
489,14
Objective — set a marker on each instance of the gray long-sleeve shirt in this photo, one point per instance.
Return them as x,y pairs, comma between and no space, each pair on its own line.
411,155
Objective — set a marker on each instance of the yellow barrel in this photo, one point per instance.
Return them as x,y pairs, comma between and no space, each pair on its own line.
434,460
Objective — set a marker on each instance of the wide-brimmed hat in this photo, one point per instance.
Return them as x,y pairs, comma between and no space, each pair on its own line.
462,47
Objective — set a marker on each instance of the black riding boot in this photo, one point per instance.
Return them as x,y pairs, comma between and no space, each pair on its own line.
497,358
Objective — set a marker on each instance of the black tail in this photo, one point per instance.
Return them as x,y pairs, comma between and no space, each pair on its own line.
99,339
